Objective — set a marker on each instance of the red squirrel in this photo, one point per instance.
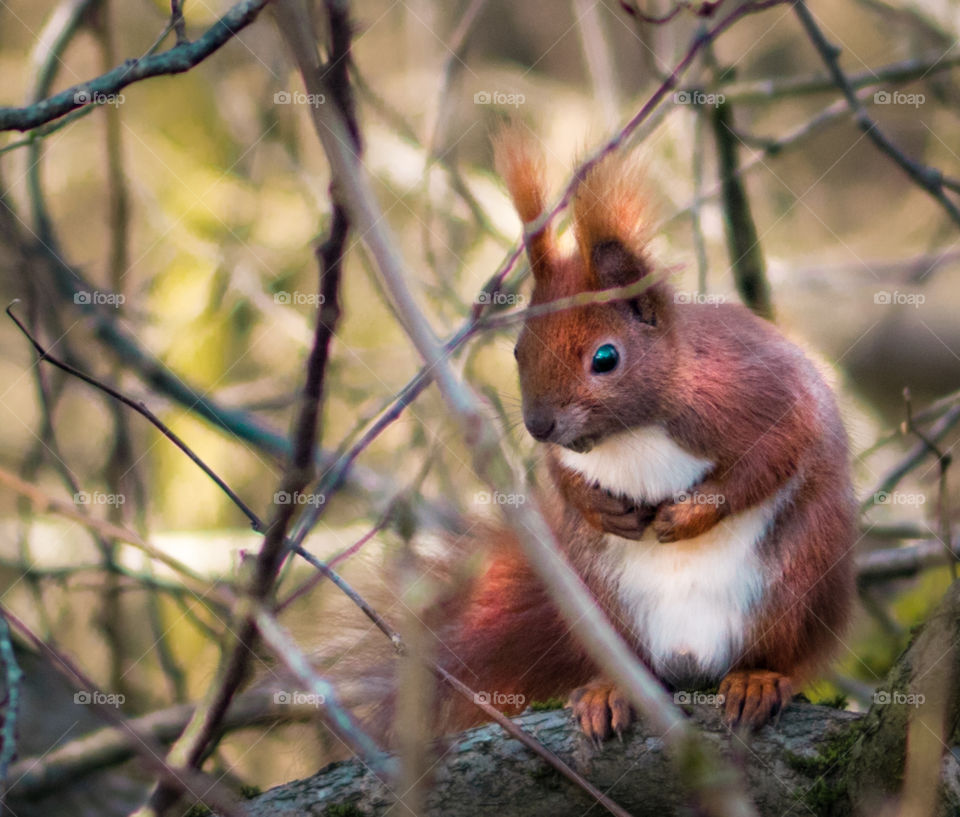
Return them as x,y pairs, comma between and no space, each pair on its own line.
699,482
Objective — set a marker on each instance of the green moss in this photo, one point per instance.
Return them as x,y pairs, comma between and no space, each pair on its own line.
836,701
828,768
198,810
548,705
249,792
343,810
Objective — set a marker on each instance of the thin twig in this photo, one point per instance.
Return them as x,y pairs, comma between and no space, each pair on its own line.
177,23
914,458
598,56
195,784
743,242
696,220
928,178
944,459
142,410
894,73
204,728
704,9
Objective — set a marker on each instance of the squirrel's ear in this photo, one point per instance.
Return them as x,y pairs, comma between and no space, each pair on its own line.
519,162
610,216
613,265
609,209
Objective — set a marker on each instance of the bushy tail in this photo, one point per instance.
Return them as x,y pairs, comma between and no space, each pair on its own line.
499,633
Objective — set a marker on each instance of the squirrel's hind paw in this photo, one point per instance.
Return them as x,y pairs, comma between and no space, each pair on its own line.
601,709
753,697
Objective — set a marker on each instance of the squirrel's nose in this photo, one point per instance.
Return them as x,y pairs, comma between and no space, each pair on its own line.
540,423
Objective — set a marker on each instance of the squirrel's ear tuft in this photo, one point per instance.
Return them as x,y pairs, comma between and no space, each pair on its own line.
611,218
609,208
519,162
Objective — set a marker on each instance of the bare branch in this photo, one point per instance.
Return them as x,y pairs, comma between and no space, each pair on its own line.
113,745
905,562
916,456
894,73
203,731
197,785
178,59
141,409
929,178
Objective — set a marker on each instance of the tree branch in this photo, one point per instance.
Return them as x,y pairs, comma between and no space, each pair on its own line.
485,773
182,57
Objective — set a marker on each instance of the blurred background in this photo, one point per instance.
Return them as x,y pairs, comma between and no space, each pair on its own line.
173,229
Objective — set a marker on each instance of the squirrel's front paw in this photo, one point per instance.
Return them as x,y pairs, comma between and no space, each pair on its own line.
631,524
601,709
685,519
613,514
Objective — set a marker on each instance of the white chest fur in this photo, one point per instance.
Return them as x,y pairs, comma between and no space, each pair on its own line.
687,602
643,463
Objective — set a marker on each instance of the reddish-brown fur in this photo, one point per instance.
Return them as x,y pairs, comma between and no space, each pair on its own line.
727,387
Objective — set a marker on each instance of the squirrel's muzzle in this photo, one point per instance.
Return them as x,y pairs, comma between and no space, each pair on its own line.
540,422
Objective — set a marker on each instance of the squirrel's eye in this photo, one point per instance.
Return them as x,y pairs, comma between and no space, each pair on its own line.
605,359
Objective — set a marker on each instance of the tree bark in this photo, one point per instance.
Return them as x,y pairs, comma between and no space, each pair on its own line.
486,773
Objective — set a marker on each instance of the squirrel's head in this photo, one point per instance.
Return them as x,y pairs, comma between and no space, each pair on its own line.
589,371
